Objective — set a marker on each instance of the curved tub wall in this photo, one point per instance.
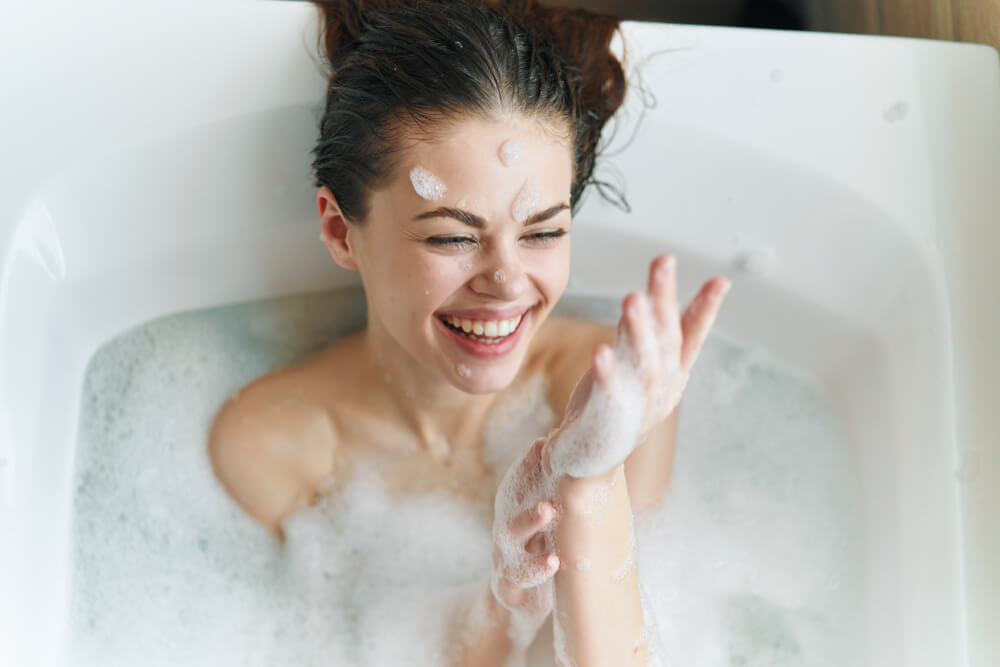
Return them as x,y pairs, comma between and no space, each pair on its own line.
819,172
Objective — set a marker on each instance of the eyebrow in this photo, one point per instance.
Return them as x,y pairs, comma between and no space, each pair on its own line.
479,223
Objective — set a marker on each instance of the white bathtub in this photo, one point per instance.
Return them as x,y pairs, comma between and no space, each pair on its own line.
155,159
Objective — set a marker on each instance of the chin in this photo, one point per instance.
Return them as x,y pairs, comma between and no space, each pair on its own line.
487,383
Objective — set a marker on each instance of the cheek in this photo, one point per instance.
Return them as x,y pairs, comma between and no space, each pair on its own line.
430,279
553,267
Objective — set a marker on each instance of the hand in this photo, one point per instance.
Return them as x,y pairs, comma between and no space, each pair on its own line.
662,347
635,385
524,559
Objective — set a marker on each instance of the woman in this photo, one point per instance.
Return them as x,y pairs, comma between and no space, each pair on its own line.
456,141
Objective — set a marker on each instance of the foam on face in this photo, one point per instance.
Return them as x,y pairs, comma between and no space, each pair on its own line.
464,370
426,184
151,521
510,152
500,276
527,201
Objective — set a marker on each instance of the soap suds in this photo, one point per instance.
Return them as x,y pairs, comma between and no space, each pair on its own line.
627,565
753,557
427,185
510,152
527,201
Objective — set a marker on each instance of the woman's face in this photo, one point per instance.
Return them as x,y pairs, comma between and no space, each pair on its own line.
466,250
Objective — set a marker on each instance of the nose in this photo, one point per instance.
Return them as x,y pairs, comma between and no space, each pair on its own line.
501,275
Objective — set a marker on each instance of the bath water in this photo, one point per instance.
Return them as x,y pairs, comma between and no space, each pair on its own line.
752,558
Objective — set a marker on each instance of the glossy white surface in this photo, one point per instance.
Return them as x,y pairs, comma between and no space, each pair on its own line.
156,159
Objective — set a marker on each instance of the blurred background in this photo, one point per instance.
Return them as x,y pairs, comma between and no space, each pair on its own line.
956,20
959,20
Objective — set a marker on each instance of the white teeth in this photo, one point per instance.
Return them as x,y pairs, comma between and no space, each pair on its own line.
487,328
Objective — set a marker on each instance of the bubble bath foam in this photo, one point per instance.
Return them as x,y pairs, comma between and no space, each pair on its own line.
752,558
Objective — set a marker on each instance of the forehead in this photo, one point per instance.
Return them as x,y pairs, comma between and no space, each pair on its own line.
464,155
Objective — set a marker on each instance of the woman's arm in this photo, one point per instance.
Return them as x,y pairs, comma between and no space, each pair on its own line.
598,616
485,628
649,467
631,390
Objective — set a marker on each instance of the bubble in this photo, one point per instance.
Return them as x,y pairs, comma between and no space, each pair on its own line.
510,152
527,201
464,370
427,184
598,499
499,276
753,557
625,568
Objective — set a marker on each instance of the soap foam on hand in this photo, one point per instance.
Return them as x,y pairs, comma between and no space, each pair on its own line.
751,558
602,424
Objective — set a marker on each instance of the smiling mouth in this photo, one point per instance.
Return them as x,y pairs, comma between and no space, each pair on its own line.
489,333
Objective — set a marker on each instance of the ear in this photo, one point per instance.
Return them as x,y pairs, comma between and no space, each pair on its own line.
335,230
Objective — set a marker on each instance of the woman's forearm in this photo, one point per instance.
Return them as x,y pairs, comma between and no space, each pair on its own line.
598,613
485,628
650,465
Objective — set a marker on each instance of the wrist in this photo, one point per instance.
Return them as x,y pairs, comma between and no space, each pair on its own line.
587,497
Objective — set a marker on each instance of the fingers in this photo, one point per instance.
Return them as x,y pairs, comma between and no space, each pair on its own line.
641,327
663,293
532,520
604,365
699,317
532,571
536,544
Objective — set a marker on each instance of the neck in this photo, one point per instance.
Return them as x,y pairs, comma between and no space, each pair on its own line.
440,416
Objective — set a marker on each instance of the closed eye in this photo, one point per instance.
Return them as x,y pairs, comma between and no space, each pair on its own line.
452,241
546,238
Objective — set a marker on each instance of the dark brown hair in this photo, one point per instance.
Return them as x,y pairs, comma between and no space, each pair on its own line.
403,65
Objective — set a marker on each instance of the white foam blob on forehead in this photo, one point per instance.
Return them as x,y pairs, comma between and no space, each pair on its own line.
527,200
510,152
426,184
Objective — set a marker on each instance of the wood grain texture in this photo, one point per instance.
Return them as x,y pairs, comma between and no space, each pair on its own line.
918,18
960,20
860,16
977,21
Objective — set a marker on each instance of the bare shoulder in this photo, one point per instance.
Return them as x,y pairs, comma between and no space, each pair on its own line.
569,346
270,445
